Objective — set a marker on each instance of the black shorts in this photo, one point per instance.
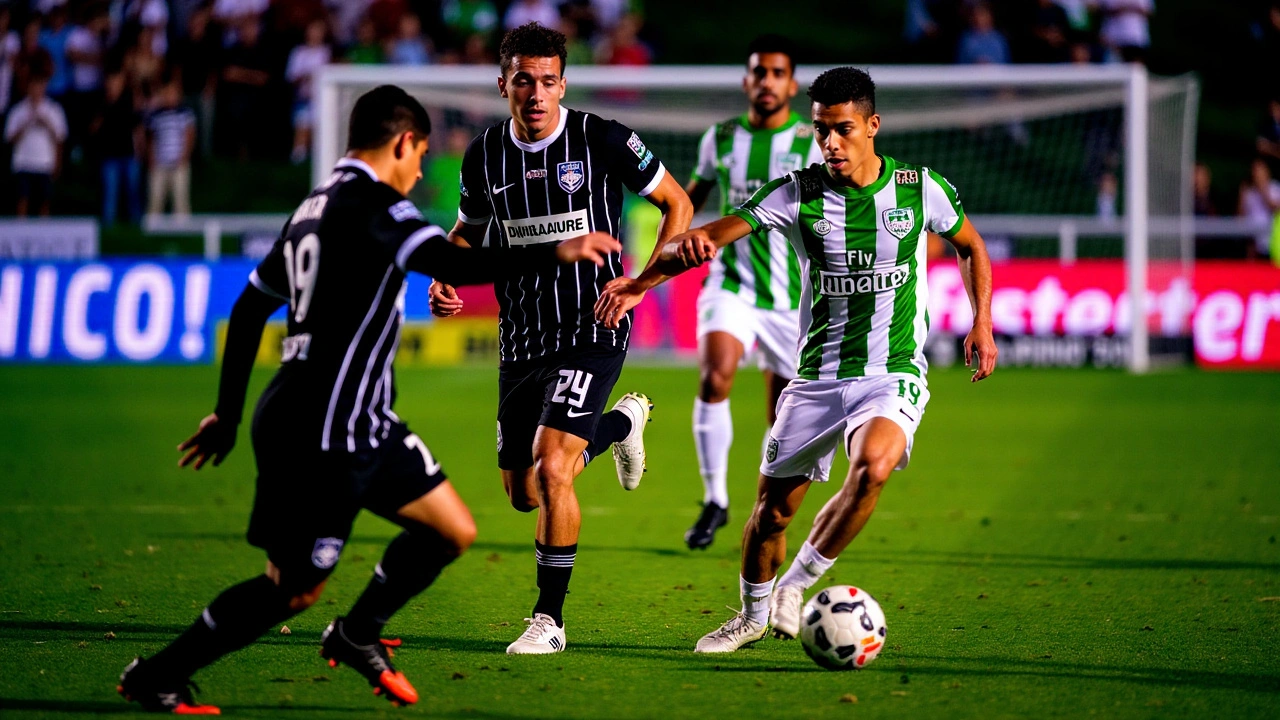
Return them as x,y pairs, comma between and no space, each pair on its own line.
306,502
566,391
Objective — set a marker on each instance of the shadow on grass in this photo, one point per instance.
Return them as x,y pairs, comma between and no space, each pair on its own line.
121,707
998,559
992,667
515,548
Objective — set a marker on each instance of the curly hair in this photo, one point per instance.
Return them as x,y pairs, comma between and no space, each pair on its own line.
845,84
531,40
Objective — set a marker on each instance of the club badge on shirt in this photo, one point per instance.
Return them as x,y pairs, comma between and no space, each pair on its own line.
570,176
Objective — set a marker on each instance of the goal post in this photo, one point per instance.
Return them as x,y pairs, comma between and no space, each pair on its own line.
1106,148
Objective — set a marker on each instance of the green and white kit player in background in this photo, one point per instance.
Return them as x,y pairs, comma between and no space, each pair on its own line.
858,223
751,299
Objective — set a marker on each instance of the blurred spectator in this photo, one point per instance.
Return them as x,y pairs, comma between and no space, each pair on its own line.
475,50
1077,13
346,16
171,137
53,38
465,18
386,16
1269,135
195,58
577,51
235,15
624,46
608,13
153,15
86,47
1048,41
1202,184
1267,34
32,60
144,66
1124,30
37,127
241,92
410,46
1108,194
118,137
10,45
982,43
304,60
1259,202
542,12
366,50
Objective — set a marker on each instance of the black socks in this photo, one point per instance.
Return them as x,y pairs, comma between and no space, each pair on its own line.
412,562
614,426
555,566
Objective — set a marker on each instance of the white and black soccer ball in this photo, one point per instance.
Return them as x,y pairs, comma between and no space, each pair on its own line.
842,628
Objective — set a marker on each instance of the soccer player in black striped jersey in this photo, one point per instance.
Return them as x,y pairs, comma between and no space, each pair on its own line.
325,437
546,174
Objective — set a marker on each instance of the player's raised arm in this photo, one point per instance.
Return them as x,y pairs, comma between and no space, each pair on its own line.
975,268
680,253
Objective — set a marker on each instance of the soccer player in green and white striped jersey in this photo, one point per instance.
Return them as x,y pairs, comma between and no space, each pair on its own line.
858,223
750,302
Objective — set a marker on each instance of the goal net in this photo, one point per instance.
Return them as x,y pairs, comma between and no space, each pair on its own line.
1087,166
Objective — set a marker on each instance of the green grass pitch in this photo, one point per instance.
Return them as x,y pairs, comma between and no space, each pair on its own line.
1063,544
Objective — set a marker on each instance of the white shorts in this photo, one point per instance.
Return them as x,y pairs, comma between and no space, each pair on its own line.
815,415
773,336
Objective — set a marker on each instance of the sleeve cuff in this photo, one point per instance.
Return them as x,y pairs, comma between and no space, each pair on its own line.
256,281
653,184
748,217
413,241
954,228
468,220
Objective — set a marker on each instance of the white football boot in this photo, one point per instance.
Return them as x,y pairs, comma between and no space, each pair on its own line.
784,615
628,453
542,637
735,633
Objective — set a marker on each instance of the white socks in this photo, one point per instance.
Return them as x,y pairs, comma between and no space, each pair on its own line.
755,599
712,436
807,569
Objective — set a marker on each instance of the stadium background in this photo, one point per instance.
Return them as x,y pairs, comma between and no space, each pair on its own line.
1067,541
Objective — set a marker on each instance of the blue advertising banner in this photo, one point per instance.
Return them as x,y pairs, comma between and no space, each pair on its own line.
127,311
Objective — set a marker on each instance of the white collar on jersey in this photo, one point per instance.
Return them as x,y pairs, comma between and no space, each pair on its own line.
544,142
359,165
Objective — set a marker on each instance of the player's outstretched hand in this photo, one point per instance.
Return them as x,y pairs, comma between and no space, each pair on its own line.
594,247
444,299
212,441
982,344
691,249
619,296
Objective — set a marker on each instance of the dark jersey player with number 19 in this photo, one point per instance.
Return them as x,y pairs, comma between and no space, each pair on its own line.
325,437
545,174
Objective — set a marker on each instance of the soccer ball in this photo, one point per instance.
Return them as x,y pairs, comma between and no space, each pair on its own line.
842,628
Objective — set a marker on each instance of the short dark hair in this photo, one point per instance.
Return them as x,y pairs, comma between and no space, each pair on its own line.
383,113
845,84
531,40
773,43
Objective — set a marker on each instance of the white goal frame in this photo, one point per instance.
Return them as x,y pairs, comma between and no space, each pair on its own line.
1132,81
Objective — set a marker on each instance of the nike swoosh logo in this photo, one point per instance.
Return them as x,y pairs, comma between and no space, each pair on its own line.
573,414
498,190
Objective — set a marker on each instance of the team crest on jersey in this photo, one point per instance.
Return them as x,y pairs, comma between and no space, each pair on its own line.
822,226
405,210
771,450
569,174
906,177
326,552
899,221
788,162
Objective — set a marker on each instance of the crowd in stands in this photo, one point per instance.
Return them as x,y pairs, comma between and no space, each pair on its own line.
136,88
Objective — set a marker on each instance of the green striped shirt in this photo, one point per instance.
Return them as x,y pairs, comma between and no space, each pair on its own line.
862,251
761,268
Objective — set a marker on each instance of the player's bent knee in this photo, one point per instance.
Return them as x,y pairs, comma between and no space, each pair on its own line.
715,384
872,470
770,519
554,471
462,537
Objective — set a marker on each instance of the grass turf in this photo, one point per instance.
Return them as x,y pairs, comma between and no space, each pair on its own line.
1063,544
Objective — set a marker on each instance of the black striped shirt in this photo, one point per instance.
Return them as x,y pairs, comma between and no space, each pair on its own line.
565,185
